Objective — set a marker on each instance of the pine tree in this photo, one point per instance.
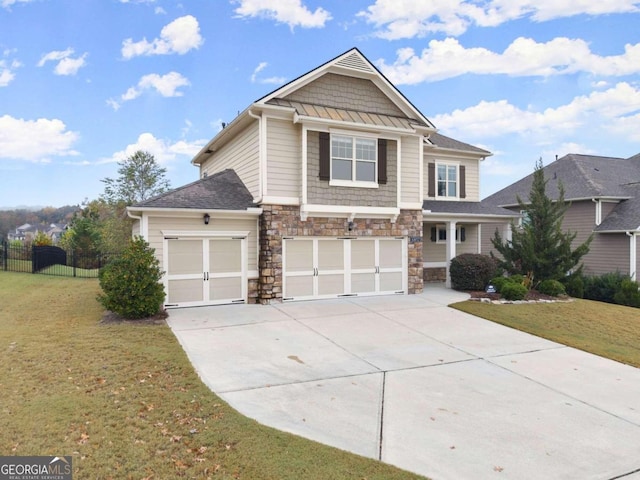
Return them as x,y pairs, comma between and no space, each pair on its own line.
540,248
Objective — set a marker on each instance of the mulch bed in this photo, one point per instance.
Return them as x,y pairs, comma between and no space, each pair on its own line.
532,295
110,318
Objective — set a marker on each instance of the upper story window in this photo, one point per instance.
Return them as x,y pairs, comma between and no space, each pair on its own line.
447,180
353,159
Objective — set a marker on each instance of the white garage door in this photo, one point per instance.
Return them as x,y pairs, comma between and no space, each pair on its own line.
205,271
333,267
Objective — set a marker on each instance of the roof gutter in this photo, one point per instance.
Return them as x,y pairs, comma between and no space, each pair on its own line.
262,159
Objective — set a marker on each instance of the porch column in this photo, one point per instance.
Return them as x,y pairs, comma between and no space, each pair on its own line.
506,234
451,248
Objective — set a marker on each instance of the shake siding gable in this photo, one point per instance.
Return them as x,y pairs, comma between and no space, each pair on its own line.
283,158
350,93
241,155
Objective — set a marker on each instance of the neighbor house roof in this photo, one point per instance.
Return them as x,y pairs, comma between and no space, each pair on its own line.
582,176
221,191
466,208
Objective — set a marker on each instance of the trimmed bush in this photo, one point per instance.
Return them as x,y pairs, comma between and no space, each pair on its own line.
131,283
472,271
603,288
574,286
517,278
514,291
499,282
551,287
628,294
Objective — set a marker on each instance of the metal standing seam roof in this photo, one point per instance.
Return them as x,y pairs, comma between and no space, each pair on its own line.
221,191
343,115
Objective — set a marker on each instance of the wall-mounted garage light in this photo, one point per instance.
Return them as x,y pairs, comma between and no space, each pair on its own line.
206,218
351,225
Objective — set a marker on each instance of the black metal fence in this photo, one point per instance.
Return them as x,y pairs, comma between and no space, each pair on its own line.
51,260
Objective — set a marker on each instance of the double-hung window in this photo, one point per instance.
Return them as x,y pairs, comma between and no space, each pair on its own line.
447,180
353,160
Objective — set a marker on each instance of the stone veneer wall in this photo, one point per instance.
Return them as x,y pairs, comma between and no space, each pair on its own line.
279,221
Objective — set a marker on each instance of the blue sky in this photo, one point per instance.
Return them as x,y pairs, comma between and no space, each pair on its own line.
83,84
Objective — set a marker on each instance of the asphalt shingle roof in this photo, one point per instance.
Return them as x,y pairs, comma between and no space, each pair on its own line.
443,141
582,176
221,191
465,208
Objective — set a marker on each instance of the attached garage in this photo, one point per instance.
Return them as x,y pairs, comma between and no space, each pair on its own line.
205,270
314,268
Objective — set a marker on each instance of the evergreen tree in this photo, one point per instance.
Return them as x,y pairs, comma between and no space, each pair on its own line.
540,248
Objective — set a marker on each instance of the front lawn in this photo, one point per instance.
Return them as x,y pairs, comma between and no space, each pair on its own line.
611,331
124,400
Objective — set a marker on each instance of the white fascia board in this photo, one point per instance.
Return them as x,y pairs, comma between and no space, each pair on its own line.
437,152
323,124
345,210
204,233
428,215
195,212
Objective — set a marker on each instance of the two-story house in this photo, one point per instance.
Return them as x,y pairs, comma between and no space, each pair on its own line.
333,185
604,198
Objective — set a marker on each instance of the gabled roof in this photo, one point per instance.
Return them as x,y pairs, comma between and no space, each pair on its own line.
466,208
221,191
440,141
582,176
353,63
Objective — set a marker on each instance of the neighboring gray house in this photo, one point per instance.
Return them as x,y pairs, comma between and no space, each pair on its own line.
604,193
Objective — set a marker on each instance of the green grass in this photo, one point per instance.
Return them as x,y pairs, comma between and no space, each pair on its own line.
125,401
611,331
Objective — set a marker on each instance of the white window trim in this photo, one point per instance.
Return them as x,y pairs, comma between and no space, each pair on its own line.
448,164
353,183
442,227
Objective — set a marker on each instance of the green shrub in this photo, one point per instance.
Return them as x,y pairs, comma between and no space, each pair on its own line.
517,278
514,291
472,271
551,287
628,294
131,282
498,283
574,286
604,287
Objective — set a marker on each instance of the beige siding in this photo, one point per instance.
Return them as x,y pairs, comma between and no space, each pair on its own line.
472,175
135,228
437,252
184,223
283,158
242,155
487,232
339,91
410,170
472,179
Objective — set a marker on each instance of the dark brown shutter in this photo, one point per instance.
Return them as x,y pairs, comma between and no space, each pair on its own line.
463,234
382,161
463,183
434,232
325,154
431,171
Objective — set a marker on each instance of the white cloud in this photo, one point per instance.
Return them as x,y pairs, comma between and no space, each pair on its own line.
7,3
8,68
35,140
166,85
179,36
269,80
396,19
164,151
523,57
614,110
67,65
290,12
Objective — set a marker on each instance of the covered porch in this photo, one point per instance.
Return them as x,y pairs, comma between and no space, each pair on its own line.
452,228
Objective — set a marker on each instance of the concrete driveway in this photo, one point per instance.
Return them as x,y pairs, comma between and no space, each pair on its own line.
411,382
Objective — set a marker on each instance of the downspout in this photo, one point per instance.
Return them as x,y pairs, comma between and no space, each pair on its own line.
598,210
139,218
633,260
262,171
